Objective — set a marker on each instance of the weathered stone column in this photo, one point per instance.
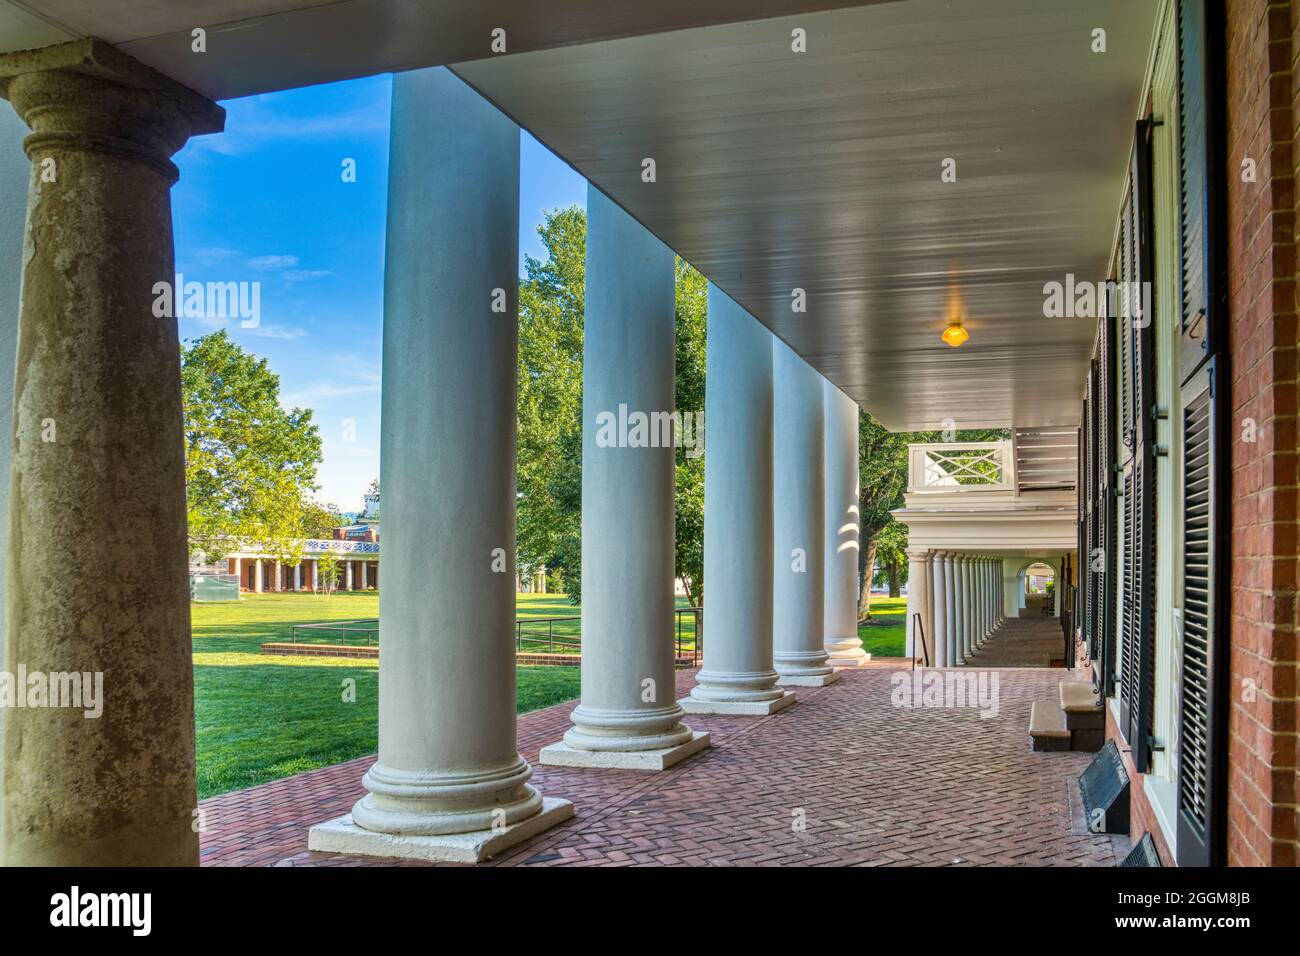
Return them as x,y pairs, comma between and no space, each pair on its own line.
98,469
14,173
449,783
939,577
737,676
628,716
799,533
961,585
917,562
840,614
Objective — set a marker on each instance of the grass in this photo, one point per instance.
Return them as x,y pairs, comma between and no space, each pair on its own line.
260,717
885,637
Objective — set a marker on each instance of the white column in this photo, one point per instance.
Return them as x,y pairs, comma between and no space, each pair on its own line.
738,676
239,572
840,480
449,783
917,561
950,630
312,572
297,576
365,575
628,716
961,584
799,532
981,569
347,575
258,583
939,571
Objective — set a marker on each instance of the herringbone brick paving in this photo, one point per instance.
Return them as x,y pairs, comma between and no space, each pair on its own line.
873,784
1022,642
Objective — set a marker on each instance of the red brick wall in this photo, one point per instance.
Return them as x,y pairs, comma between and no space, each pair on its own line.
1263,85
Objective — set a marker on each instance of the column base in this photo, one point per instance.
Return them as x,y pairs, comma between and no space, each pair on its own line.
812,680
860,659
741,708
341,835
562,755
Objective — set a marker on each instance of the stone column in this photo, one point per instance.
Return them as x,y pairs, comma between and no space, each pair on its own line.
917,561
737,676
628,716
968,580
798,584
840,479
238,570
258,584
14,173
297,576
449,783
98,473
365,575
981,587
961,609
940,579
347,574
312,571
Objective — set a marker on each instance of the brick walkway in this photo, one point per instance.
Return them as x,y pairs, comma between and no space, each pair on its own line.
1022,642
875,784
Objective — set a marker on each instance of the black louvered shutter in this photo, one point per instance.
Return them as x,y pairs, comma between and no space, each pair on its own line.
1202,713
1105,477
1141,679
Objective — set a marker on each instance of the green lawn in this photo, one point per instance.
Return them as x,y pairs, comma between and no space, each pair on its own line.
260,717
885,637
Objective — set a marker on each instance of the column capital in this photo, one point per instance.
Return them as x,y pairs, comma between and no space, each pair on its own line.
89,95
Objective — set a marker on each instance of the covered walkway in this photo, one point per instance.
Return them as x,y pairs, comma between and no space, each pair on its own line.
1030,641
872,783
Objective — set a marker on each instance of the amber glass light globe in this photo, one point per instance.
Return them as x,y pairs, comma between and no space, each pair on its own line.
955,335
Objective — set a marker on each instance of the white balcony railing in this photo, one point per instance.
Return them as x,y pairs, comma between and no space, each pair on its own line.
961,466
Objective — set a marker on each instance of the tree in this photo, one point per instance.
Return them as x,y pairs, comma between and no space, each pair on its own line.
327,573
891,555
549,479
250,466
691,324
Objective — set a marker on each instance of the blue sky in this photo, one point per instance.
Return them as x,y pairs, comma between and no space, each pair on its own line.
265,201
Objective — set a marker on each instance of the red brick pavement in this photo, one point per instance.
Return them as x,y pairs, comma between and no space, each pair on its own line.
875,785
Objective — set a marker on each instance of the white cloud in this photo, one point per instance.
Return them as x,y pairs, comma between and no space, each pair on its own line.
273,262
305,275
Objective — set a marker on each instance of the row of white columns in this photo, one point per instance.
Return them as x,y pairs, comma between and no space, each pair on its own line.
954,601
780,555
353,580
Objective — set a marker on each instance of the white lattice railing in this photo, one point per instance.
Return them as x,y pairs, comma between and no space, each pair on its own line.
961,466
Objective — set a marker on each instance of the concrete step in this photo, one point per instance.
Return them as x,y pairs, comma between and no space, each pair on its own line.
1081,707
1047,728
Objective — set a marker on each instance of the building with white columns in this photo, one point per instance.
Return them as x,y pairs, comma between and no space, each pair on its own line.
863,218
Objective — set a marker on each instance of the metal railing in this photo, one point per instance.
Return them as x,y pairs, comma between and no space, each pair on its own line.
369,627
688,645
919,634
688,639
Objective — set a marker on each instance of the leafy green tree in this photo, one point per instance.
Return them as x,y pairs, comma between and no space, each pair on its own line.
691,322
250,466
549,480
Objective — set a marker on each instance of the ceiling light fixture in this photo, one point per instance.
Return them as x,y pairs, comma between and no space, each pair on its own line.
955,334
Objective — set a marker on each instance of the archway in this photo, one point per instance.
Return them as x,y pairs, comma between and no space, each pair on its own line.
1037,587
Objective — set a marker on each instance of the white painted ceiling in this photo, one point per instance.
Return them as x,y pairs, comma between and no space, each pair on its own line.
776,170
